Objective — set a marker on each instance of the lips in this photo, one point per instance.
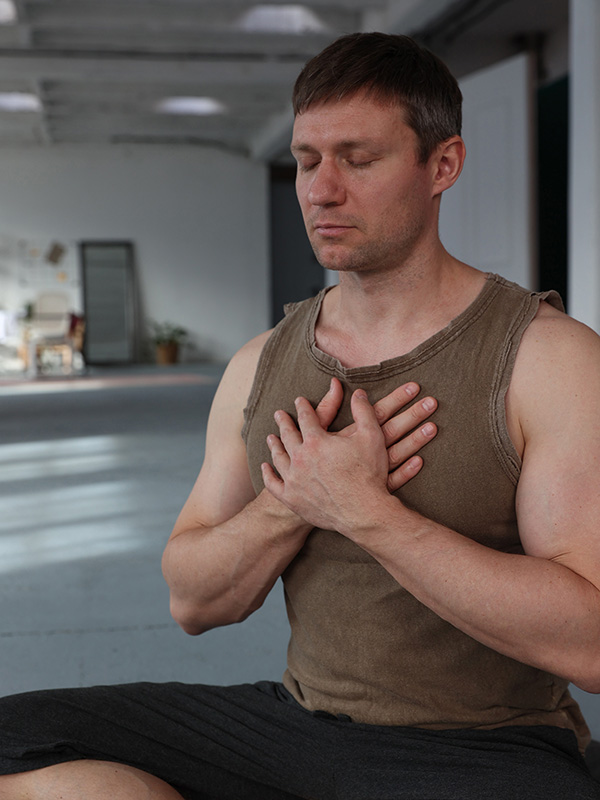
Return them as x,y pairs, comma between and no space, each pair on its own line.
330,228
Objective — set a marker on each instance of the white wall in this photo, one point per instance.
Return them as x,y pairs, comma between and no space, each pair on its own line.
487,223
584,164
197,216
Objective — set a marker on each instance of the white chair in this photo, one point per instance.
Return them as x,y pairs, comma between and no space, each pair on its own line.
49,328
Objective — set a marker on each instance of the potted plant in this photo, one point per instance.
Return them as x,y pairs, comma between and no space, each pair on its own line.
167,338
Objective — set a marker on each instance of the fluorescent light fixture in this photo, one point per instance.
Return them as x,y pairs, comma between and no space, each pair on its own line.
8,12
19,101
280,19
201,106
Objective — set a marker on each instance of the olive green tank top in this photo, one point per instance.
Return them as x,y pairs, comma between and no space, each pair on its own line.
360,644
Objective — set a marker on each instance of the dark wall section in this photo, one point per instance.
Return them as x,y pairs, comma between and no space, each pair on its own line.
553,139
295,272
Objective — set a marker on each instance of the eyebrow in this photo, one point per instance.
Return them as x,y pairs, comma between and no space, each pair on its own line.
344,145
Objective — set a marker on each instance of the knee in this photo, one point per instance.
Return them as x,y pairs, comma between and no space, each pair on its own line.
13,787
102,780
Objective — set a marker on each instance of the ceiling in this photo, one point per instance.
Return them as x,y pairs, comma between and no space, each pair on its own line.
99,68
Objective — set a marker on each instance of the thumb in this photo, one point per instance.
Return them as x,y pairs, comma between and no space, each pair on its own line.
330,404
363,412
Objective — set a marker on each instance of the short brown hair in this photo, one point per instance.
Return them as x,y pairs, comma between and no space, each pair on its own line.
391,68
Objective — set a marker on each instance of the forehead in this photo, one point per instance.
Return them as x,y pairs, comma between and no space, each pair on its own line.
357,118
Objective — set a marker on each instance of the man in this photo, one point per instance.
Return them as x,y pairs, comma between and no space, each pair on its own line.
438,610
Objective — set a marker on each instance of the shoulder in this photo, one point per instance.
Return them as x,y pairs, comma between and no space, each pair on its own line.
246,358
556,378
561,341
238,377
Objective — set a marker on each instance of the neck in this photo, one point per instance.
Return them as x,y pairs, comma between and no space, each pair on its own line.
371,317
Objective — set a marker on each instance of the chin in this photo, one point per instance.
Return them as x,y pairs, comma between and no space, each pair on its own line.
332,264
336,259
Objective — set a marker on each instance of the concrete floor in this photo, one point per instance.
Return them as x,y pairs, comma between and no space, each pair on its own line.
93,473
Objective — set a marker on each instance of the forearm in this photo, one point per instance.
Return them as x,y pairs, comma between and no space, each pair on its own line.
219,575
531,609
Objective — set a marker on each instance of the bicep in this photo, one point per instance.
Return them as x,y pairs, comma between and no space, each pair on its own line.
558,397
223,487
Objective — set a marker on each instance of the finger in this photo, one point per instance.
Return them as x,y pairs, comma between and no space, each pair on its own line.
288,430
279,455
403,450
395,400
398,426
308,422
330,404
363,412
271,480
404,473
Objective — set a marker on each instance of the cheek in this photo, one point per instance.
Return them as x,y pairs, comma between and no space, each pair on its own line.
303,205
394,205
302,198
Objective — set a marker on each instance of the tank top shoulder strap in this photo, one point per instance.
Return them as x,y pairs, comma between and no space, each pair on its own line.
523,305
288,335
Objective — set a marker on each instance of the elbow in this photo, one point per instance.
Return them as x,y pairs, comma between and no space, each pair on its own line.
587,677
588,683
194,619
190,619
592,687
192,628
189,624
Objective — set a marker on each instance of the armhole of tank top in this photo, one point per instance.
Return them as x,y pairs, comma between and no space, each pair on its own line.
263,365
262,368
306,308
503,444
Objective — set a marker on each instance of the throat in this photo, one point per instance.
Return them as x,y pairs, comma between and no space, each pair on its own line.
366,334
352,350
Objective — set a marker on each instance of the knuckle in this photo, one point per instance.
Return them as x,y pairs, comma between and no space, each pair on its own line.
388,430
380,412
395,481
401,397
416,411
394,457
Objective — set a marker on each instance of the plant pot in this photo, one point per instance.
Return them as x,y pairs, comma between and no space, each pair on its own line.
167,353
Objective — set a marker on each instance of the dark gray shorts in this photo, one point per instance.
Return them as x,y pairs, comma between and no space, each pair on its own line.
254,742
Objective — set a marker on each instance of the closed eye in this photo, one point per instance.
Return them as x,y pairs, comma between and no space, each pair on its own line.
307,166
360,163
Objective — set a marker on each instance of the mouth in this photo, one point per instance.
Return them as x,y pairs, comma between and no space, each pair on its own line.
330,229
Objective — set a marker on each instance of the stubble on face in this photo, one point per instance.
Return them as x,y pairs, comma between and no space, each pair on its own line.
371,208
380,254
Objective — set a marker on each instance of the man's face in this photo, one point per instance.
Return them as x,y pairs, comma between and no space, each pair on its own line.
366,201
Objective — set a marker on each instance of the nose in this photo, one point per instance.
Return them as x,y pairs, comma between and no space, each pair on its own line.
326,186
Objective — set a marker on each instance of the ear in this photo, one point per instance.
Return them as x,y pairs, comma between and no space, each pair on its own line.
447,163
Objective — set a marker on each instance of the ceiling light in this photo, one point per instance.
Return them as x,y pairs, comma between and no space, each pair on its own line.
8,12
201,106
19,101
280,19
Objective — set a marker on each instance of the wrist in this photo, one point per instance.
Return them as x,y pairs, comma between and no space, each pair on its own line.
377,522
280,518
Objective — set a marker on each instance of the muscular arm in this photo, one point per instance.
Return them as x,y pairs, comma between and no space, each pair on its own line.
542,608
229,546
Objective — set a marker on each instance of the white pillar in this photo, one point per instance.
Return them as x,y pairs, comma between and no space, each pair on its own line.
584,162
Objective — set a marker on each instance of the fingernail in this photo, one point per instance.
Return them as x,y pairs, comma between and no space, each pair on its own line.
360,393
428,429
428,404
411,389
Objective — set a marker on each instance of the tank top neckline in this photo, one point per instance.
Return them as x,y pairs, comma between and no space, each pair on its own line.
417,355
